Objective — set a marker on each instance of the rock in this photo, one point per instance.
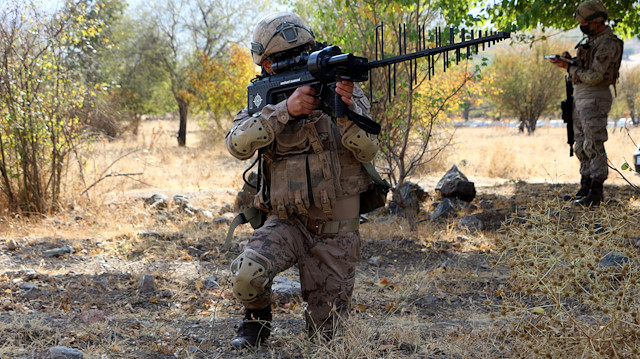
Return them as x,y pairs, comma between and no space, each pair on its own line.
27,285
614,259
158,201
488,220
26,274
180,200
12,244
146,284
211,282
375,261
227,208
444,209
148,234
66,249
93,316
285,290
32,293
206,213
60,353
454,184
486,204
412,196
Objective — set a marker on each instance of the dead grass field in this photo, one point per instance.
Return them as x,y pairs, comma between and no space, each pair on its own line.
434,294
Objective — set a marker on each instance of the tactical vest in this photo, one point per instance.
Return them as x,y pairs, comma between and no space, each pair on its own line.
307,165
587,52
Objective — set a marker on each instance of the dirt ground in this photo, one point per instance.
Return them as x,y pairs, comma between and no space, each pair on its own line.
429,293
435,284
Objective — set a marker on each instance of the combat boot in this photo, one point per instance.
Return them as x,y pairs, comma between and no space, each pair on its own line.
255,328
595,195
585,185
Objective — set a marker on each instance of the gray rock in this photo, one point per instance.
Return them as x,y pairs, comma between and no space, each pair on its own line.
25,274
12,244
487,204
180,200
227,208
614,259
149,234
27,285
60,353
158,201
146,284
375,261
412,195
445,209
56,252
487,220
454,184
32,293
285,290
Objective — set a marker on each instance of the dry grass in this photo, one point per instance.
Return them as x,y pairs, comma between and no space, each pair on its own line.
435,294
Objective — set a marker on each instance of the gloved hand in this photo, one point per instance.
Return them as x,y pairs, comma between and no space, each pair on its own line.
588,148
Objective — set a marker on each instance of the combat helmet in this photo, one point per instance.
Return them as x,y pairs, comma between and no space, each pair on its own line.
279,32
591,11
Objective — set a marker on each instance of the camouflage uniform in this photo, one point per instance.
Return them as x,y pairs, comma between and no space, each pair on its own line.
312,181
598,62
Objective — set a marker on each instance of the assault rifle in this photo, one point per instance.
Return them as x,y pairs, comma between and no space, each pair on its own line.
321,68
567,114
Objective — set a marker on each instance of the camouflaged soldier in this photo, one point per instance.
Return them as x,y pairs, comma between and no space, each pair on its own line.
595,68
310,187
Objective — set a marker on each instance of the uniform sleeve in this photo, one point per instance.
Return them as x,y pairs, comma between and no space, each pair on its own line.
250,133
606,58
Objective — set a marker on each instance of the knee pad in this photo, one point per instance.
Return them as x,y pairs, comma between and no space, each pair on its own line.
363,145
251,274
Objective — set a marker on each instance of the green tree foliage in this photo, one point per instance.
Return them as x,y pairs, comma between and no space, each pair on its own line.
512,15
191,29
134,74
41,95
520,82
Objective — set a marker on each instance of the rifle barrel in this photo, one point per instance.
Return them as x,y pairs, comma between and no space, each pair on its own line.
437,50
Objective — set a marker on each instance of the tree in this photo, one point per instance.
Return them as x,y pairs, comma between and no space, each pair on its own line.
523,83
221,86
411,112
628,88
530,14
192,29
41,94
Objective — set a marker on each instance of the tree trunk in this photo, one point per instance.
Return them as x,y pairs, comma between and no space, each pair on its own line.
531,125
183,109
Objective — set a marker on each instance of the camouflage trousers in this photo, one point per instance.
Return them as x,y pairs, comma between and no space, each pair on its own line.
590,128
326,263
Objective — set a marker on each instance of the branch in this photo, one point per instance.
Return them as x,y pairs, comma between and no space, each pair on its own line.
115,175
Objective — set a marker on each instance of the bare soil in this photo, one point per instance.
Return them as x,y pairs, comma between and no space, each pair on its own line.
438,284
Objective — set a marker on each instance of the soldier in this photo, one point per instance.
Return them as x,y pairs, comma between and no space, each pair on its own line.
312,178
595,67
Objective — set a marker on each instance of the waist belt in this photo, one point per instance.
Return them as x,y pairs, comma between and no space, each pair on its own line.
332,227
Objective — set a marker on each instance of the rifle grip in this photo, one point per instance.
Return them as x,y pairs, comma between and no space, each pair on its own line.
340,106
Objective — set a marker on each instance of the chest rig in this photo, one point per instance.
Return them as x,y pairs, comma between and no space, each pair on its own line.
307,166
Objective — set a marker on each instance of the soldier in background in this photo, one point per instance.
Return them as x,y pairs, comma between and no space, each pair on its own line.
312,178
593,70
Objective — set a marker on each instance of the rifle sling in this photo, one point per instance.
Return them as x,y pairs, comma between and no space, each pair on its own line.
250,215
365,123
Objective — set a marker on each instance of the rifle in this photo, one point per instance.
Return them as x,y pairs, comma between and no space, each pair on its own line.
321,68
567,114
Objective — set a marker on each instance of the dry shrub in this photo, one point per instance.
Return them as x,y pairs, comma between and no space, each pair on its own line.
573,289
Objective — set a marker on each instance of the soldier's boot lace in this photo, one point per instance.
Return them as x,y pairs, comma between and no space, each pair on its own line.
254,330
585,186
594,197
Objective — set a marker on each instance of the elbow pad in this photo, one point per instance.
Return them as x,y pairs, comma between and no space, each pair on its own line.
247,136
363,145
